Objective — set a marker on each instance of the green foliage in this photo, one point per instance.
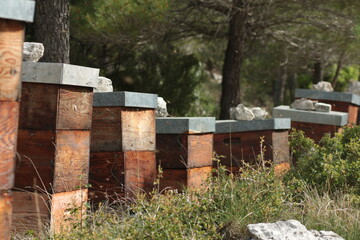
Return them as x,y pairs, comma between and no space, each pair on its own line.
346,74
331,165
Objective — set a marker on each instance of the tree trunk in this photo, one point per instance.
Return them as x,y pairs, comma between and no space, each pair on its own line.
230,94
317,77
52,29
279,88
338,68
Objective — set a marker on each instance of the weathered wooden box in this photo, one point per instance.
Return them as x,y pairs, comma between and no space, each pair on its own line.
122,159
54,132
184,150
239,141
13,15
314,124
340,101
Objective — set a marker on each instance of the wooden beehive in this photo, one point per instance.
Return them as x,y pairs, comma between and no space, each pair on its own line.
184,151
13,15
239,141
314,124
54,133
122,160
340,101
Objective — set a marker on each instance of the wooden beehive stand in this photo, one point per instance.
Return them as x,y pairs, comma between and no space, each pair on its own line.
122,159
53,144
340,101
314,124
184,151
239,141
13,15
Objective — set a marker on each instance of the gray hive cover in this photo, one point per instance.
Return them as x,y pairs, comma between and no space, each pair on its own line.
59,73
227,126
330,96
331,118
180,125
19,10
125,99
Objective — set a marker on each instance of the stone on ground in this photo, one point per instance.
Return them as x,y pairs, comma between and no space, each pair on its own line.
32,51
104,85
322,107
354,87
323,86
161,110
303,104
259,113
290,230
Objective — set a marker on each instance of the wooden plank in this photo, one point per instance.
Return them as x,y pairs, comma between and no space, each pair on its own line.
9,113
172,152
106,129
31,211
235,147
138,129
11,44
280,147
140,172
67,208
180,178
71,160
106,176
315,131
200,150
36,159
74,108
5,214
38,108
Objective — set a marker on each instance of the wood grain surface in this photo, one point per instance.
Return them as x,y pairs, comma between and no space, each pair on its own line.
74,108
31,211
36,152
62,204
172,151
9,114
11,45
71,165
106,129
5,214
315,131
280,147
38,109
140,172
200,150
106,176
138,129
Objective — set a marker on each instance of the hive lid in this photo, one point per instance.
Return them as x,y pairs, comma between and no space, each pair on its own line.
328,118
227,126
20,10
125,99
185,125
331,96
59,73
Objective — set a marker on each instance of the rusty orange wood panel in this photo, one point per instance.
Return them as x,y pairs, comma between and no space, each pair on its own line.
36,150
140,172
62,204
9,114
11,45
315,131
106,129
74,108
138,129
5,214
38,109
193,178
71,165
106,176
200,150
31,211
